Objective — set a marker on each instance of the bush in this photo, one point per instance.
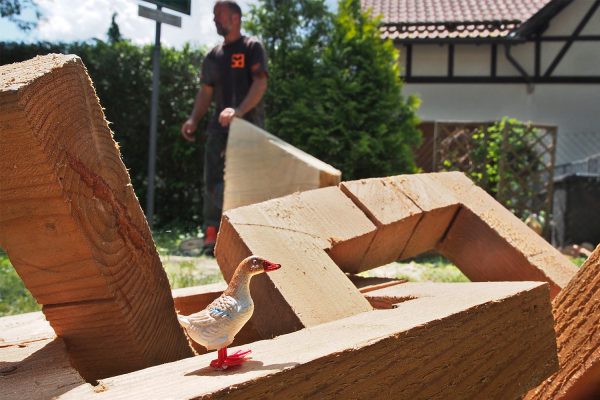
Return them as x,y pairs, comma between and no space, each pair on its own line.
14,297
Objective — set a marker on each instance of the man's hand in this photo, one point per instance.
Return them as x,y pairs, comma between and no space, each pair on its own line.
226,116
188,129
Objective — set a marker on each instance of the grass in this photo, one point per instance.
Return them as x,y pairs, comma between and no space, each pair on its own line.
14,297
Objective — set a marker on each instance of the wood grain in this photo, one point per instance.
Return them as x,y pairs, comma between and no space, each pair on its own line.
487,242
72,226
475,340
260,166
576,311
296,231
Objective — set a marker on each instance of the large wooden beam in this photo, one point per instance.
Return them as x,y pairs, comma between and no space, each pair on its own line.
576,311
475,340
260,166
37,369
446,212
296,231
72,226
489,243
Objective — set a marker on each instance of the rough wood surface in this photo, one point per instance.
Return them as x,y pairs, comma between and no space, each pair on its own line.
576,311
36,369
260,166
489,243
446,212
72,226
475,340
296,231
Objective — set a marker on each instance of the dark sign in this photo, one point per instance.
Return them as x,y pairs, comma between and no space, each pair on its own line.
183,6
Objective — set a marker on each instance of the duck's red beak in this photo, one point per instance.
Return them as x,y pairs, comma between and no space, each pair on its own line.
269,266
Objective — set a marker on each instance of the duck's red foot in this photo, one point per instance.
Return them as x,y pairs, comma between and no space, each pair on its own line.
233,360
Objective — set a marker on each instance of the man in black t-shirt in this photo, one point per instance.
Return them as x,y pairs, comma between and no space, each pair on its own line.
234,74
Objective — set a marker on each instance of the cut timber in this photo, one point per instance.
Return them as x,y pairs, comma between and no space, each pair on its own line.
410,211
72,226
474,340
489,243
368,223
295,231
260,166
576,311
36,370
446,212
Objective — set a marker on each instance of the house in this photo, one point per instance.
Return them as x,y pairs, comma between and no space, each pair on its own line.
480,60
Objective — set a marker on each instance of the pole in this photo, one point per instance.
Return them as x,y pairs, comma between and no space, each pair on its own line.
153,123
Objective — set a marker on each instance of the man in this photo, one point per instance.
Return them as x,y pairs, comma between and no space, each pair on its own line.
234,74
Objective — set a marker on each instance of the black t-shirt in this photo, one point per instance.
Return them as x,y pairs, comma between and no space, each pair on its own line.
230,70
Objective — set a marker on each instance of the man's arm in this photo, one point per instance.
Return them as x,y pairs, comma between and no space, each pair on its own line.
201,105
255,94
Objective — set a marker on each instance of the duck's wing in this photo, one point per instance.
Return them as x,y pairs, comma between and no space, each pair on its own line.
222,308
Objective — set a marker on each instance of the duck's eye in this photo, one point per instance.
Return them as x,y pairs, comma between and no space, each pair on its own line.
255,261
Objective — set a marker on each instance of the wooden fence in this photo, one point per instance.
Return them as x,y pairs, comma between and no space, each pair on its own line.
512,161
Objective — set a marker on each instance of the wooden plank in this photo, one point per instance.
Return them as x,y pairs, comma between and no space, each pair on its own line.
474,340
72,226
487,242
36,370
439,206
296,231
393,213
576,311
260,166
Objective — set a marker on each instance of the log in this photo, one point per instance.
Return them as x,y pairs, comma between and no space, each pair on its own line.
489,243
37,369
299,232
474,340
447,213
72,226
576,311
260,166
411,213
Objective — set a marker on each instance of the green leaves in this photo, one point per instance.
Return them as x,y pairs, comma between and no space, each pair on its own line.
335,88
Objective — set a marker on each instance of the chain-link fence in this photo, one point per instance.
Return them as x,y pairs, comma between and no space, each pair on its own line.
511,160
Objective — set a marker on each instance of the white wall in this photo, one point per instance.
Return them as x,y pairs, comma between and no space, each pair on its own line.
575,109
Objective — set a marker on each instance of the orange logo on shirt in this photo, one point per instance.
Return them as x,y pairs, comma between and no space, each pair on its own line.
238,60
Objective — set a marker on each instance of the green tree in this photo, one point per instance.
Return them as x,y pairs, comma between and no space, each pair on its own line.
14,9
335,88
370,129
294,33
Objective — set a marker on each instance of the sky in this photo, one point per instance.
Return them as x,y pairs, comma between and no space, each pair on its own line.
79,20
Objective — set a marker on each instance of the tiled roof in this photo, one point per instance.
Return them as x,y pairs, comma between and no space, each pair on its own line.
440,19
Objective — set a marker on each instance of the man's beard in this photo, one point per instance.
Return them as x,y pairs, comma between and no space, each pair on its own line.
223,30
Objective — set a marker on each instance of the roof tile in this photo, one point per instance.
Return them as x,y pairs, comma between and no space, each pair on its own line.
451,18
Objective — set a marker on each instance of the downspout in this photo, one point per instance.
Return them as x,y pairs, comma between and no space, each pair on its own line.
515,63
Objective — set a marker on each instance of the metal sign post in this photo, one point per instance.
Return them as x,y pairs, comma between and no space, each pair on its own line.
160,17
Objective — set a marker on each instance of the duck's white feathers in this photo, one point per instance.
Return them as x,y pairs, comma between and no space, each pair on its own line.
216,325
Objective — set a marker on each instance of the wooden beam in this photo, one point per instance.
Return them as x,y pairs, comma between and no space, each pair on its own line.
260,166
72,226
296,231
489,243
576,311
474,340
36,370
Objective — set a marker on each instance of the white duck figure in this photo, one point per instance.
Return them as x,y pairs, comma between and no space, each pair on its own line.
216,325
